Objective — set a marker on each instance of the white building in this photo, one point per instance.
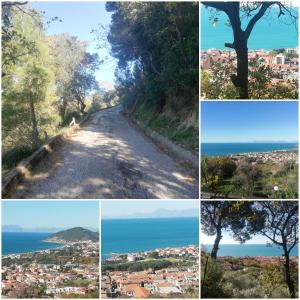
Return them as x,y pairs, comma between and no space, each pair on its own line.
279,59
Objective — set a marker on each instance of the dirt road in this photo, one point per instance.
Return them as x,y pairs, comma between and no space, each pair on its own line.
108,159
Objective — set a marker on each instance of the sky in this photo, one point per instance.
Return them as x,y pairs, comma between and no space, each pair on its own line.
78,19
280,32
246,121
51,214
114,209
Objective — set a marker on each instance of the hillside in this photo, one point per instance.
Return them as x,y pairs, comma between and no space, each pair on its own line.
74,234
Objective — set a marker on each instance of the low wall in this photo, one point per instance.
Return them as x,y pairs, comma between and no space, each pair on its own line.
176,150
24,167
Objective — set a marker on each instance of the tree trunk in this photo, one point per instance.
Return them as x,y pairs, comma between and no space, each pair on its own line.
35,132
63,108
215,249
288,278
242,71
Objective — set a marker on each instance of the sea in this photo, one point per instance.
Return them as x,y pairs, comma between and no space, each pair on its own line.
23,242
249,250
134,235
268,33
222,149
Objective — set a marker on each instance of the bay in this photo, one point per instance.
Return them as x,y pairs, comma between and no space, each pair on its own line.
222,149
23,242
134,235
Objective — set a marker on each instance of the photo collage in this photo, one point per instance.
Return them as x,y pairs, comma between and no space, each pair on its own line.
150,149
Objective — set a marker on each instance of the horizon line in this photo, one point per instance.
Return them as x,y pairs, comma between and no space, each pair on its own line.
249,142
138,218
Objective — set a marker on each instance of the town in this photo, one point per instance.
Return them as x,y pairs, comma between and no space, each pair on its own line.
270,156
69,270
283,62
156,273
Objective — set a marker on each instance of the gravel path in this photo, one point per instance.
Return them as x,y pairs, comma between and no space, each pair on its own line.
108,159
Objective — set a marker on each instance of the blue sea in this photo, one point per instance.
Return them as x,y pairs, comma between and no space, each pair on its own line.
249,250
268,33
221,149
21,242
134,235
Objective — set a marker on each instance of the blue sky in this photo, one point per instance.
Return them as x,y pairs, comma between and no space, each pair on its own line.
114,209
279,31
246,121
78,19
50,214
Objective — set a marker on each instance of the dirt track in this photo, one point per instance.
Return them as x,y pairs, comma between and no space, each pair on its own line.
108,159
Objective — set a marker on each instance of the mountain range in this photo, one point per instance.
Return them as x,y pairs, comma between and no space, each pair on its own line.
159,213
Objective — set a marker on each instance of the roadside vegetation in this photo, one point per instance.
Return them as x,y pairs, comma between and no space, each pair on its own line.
156,46
46,80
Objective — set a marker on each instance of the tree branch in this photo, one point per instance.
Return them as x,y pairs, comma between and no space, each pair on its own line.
258,16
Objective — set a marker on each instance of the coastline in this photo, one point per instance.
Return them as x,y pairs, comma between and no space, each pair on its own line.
111,255
257,249
61,245
32,252
279,151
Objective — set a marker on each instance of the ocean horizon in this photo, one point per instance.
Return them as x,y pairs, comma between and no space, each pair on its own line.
222,149
279,35
24,242
240,250
135,235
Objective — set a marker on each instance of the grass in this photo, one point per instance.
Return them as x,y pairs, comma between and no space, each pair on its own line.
170,126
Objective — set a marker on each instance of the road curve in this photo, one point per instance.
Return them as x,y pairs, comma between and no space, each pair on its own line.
108,159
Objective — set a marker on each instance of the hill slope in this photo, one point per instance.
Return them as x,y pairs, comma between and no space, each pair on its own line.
75,234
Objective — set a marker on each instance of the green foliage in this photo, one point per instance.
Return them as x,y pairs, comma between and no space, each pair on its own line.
156,264
44,79
154,254
156,45
211,279
241,277
216,84
223,176
76,234
28,100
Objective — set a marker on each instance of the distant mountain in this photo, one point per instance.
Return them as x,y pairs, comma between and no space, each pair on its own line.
159,213
74,234
12,228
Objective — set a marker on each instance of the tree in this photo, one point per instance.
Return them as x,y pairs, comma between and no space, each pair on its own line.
233,216
28,83
217,85
156,45
254,11
67,52
154,254
245,177
15,44
281,228
84,80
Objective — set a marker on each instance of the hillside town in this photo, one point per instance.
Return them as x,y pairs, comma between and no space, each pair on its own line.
176,280
270,156
283,62
72,269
